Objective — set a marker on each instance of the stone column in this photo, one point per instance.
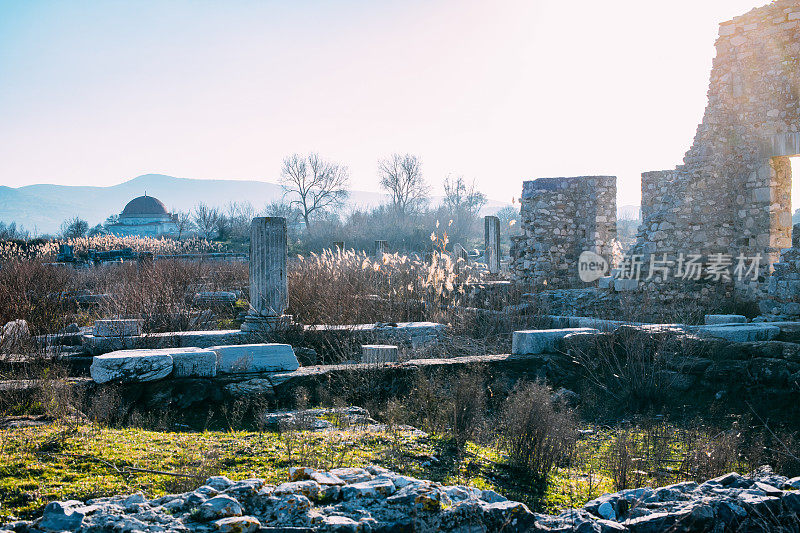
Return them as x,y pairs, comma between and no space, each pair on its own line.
492,243
269,289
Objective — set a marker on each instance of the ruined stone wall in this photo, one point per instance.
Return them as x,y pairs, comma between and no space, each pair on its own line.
561,217
731,195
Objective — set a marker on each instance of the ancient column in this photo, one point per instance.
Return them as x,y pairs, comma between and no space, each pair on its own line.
269,289
492,242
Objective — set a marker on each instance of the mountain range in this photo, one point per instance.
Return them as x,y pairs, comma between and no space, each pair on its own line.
42,208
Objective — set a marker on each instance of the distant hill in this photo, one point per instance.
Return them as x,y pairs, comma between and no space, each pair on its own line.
42,208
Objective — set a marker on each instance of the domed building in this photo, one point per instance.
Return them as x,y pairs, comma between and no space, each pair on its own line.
144,216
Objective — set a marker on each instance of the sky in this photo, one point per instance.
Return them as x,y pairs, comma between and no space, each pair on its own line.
502,91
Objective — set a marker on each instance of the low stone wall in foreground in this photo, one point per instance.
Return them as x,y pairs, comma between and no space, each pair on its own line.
376,499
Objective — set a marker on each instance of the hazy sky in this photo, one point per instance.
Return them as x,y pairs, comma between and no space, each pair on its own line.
97,92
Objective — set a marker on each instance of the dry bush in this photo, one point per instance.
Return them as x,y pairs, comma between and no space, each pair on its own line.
161,292
711,455
630,366
445,404
536,433
624,461
349,287
36,293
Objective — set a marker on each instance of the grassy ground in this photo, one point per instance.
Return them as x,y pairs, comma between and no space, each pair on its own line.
40,464
81,461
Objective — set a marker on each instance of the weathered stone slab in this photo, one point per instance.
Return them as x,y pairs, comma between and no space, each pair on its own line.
625,285
211,298
131,366
247,358
250,388
379,353
740,333
122,327
193,363
725,319
542,340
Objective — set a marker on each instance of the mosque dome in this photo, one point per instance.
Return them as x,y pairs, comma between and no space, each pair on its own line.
144,206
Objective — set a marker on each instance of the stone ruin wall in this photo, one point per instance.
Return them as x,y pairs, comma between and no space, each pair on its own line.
732,193
561,217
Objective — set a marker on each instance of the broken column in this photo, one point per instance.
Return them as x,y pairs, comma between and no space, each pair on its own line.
459,252
492,242
269,289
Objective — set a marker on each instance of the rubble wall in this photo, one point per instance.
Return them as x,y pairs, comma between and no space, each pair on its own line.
561,217
732,193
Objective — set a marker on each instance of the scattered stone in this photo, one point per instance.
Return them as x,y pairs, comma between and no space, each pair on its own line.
379,353
14,335
250,388
237,524
376,499
123,327
534,341
131,366
62,516
193,363
725,319
740,333
219,507
249,358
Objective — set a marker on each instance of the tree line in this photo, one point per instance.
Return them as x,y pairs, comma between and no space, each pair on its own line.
315,192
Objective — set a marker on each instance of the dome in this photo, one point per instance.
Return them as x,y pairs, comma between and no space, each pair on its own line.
144,206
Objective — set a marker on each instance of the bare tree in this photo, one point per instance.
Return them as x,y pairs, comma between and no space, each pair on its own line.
313,183
401,176
509,216
462,198
280,208
236,220
205,218
183,220
73,228
12,232
462,203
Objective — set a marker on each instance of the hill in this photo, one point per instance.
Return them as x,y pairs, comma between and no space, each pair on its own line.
41,208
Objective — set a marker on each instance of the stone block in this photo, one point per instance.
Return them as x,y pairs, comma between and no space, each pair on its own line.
542,340
247,358
129,366
740,333
213,298
624,285
193,363
124,327
725,319
379,353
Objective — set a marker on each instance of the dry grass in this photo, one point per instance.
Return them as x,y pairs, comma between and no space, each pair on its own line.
350,287
48,249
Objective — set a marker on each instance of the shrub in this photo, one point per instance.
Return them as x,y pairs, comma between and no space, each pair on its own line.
536,433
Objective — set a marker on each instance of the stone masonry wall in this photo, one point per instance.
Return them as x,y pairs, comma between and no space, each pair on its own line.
561,217
732,194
